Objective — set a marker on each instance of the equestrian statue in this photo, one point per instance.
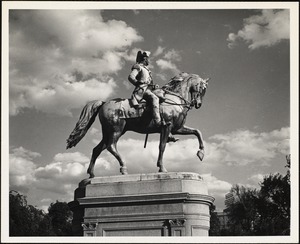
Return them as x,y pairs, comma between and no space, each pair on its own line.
149,110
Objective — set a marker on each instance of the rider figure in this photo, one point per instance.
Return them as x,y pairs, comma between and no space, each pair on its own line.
141,78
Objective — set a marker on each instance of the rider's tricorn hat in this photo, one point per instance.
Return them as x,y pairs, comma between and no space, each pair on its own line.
141,55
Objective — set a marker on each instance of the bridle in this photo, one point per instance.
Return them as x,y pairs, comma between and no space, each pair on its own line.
188,104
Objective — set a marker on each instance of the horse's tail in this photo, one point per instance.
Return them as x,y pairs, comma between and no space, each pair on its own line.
86,119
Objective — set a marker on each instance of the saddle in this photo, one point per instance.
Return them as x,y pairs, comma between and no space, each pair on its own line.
128,110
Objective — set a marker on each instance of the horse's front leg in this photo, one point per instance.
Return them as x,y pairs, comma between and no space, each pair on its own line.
185,130
162,146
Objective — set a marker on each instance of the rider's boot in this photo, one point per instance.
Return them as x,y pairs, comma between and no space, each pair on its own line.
159,123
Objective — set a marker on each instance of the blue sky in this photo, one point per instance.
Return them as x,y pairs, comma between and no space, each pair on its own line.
61,59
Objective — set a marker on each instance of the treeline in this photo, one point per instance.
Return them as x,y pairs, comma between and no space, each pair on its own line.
257,212
27,220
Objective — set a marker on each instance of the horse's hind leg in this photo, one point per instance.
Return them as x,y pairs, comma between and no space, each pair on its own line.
112,148
96,152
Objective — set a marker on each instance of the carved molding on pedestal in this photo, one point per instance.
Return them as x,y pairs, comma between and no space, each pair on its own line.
176,222
89,226
175,227
89,229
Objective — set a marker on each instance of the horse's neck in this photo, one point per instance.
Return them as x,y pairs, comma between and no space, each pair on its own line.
181,86
185,90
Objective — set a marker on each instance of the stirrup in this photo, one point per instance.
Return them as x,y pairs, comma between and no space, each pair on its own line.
138,106
172,139
164,123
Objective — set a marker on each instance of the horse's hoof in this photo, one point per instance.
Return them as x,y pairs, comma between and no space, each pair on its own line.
91,174
200,154
162,170
84,183
123,170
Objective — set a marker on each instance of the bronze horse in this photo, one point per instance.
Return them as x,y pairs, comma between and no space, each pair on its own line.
174,108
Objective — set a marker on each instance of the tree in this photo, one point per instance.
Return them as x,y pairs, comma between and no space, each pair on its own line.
242,212
61,218
262,212
214,221
275,197
26,220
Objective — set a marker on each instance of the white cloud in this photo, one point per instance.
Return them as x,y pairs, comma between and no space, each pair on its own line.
46,200
263,30
57,177
58,56
216,186
95,132
21,168
238,148
162,77
56,180
173,55
58,170
158,51
131,55
257,178
24,153
44,208
167,65
60,96
176,155
127,85
76,157
242,146
102,164
21,172
168,60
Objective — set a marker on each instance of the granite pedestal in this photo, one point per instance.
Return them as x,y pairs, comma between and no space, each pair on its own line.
158,204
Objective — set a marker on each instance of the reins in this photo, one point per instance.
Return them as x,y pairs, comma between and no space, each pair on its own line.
187,103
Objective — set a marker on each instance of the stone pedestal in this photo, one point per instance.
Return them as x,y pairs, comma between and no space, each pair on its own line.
160,204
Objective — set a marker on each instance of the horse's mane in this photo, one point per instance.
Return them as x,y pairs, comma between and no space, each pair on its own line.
175,83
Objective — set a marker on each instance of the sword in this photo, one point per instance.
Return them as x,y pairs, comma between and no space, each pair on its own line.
146,139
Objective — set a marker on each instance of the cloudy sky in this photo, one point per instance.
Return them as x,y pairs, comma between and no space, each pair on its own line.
61,59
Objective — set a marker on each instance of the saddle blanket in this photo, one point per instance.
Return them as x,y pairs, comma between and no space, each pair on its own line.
127,110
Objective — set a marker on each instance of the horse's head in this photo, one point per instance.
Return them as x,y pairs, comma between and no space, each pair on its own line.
185,84
197,90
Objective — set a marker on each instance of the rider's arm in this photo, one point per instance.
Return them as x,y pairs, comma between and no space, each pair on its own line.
134,72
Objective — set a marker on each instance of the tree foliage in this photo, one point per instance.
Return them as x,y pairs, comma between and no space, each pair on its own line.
275,198
214,221
61,218
242,212
27,220
261,212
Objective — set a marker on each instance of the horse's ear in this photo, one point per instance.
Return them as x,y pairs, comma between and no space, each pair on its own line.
207,80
